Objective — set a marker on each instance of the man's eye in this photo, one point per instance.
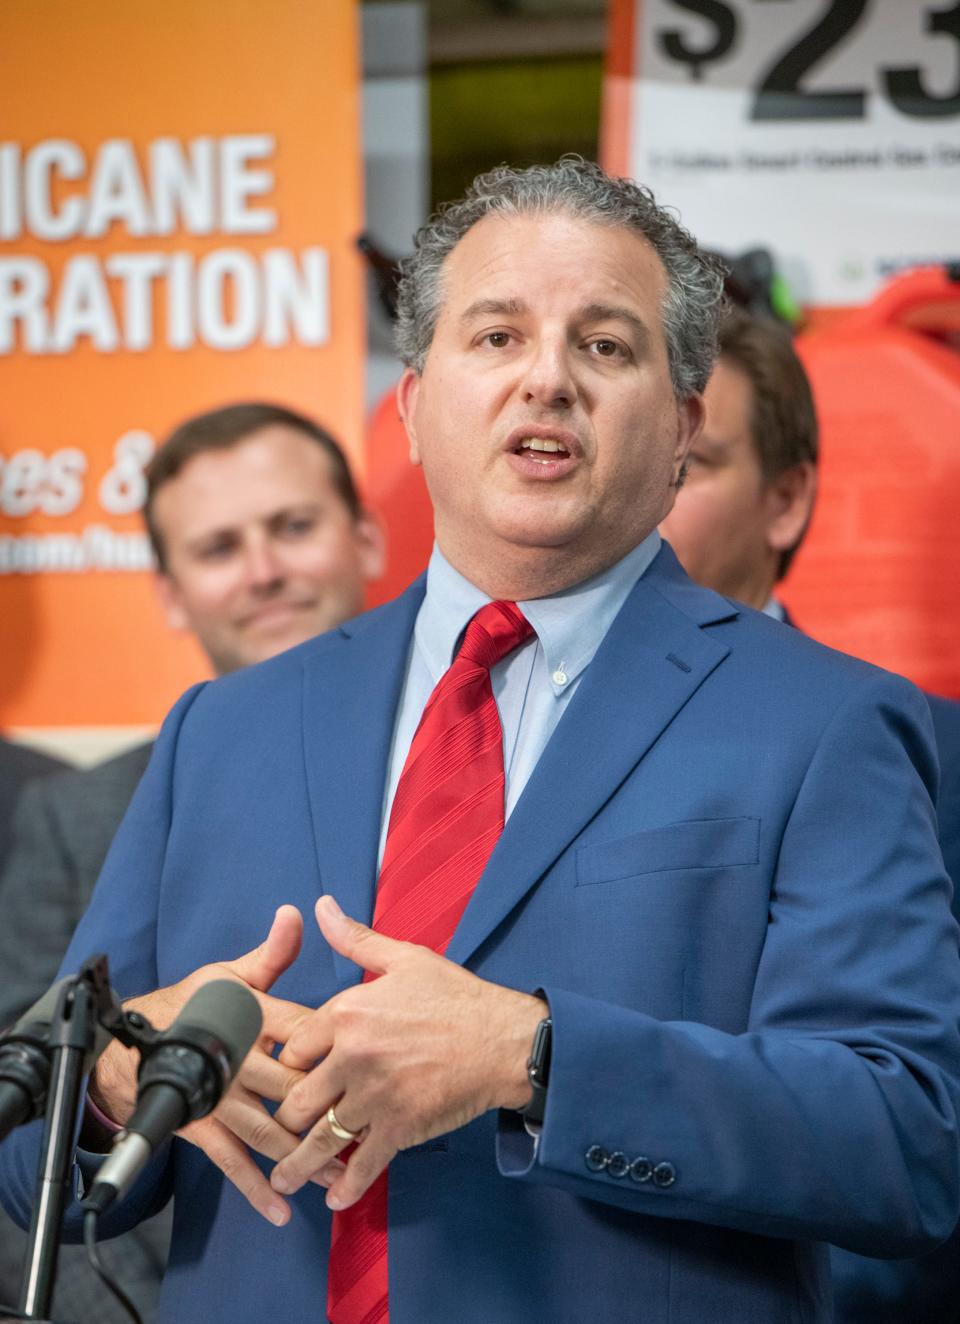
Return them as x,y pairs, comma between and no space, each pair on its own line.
497,339
297,528
215,551
606,349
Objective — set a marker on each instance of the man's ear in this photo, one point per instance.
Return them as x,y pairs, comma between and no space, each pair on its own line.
690,415
408,391
171,602
789,499
371,538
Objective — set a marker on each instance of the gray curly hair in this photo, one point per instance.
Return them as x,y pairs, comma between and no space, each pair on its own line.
692,306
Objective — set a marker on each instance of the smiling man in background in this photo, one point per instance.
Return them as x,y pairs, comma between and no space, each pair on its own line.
261,542
260,538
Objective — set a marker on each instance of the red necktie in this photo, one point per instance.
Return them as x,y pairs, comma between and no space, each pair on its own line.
445,820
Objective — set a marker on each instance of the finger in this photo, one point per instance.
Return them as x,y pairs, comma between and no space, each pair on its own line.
329,1173
372,951
282,1019
308,1100
281,947
366,1163
231,1157
310,1040
265,1076
310,1158
245,1116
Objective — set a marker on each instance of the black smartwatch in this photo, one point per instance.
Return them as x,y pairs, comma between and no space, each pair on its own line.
538,1072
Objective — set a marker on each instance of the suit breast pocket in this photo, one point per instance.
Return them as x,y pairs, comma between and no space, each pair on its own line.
710,844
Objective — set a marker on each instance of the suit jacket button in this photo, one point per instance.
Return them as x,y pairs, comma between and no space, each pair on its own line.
641,1169
664,1174
596,1158
618,1165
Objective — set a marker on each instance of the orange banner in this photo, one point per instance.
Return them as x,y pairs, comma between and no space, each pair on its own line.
179,199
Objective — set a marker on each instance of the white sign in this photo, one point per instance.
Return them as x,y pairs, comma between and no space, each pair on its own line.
825,130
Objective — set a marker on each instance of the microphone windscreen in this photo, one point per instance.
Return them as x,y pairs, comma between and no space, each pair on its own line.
38,1019
40,1015
226,1009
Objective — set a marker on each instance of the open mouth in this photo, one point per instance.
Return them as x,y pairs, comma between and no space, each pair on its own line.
542,450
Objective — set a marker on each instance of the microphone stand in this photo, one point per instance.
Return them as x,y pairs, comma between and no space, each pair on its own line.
85,1001
71,1039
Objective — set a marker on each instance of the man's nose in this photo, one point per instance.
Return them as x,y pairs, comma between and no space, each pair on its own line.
549,378
262,567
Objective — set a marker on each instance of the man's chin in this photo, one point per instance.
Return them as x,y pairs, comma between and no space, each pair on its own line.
264,643
539,529
280,641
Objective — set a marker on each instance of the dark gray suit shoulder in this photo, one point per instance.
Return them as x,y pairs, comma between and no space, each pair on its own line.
83,808
20,765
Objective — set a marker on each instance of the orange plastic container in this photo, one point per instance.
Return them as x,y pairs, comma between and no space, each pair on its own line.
879,572
398,494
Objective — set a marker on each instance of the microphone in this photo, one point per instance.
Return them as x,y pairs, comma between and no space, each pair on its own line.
182,1078
25,1060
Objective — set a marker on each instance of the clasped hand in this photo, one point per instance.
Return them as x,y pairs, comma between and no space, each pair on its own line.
421,1049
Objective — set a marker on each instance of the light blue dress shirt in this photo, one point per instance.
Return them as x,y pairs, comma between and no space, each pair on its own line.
534,684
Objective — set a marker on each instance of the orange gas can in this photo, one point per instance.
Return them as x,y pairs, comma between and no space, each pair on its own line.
879,573
397,493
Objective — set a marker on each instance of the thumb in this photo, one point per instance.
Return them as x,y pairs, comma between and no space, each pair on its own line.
278,951
371,951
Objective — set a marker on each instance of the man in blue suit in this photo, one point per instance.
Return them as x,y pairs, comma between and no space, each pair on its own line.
718,873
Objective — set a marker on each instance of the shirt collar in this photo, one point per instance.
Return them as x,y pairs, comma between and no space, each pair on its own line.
570,625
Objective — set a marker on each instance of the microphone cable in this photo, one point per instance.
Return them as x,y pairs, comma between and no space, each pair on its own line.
90,1220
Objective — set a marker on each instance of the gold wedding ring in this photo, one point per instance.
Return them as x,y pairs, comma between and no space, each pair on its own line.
339,1131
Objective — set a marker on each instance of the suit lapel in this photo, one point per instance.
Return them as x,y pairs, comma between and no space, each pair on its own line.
654,657
351,688
655,651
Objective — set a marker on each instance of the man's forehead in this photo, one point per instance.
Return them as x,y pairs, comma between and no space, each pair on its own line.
729,398
505,262
277,451
256,479
586,312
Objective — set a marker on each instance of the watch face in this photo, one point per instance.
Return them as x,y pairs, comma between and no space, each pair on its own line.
539,1064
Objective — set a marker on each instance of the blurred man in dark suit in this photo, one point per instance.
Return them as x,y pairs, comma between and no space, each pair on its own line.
261,542
19,765
736,526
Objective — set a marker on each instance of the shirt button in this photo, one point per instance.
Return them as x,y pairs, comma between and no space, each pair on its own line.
641,1169
559,676
596,1158
664,1174
618,1165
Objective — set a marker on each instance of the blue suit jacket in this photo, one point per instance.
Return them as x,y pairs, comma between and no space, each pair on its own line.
924,1290
946,727
724,873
